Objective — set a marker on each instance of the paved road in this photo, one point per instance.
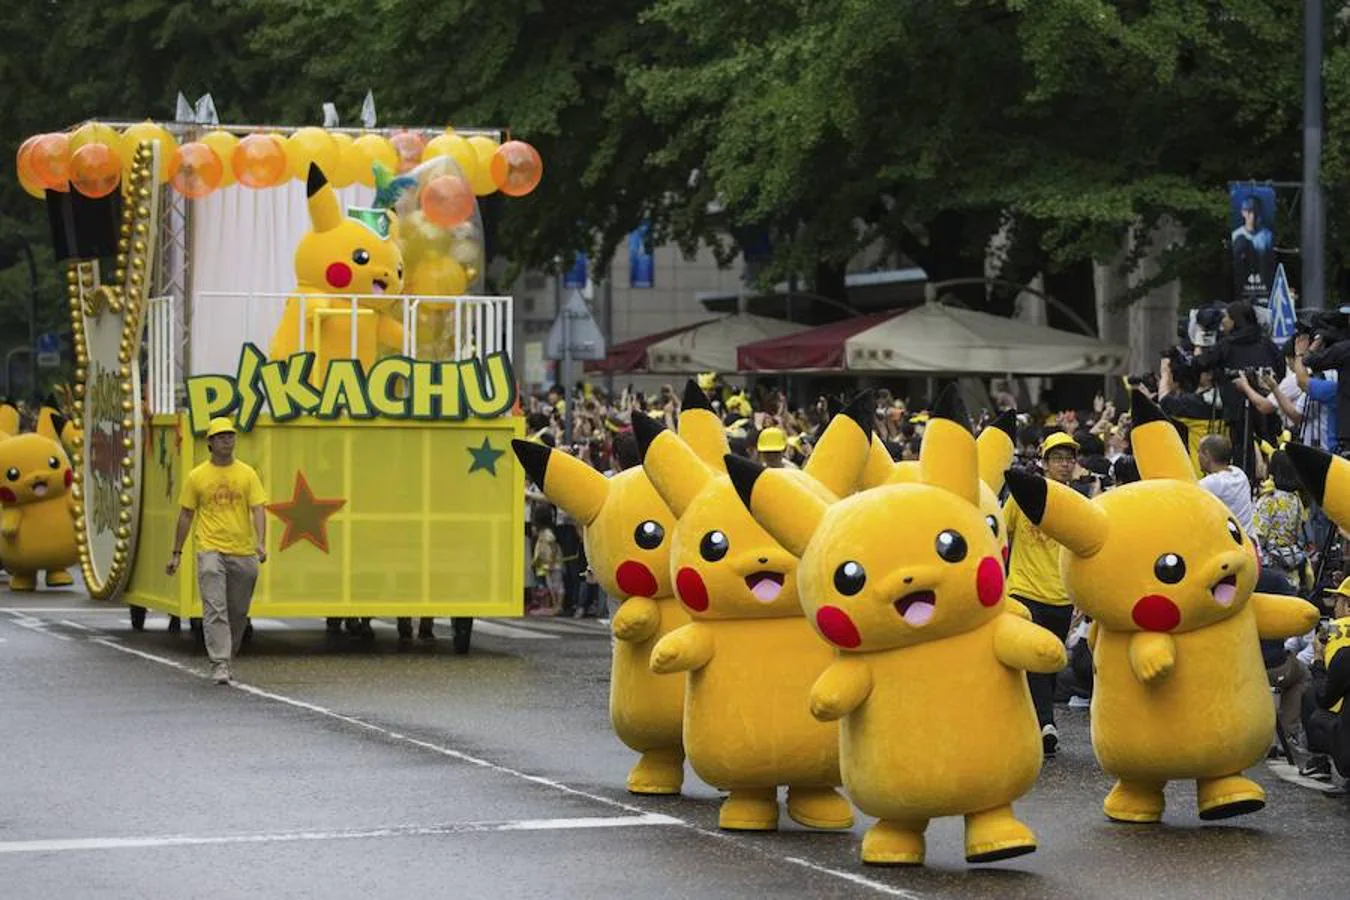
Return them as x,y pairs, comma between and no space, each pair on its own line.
338,770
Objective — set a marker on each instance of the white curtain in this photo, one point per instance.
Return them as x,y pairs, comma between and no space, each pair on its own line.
243,243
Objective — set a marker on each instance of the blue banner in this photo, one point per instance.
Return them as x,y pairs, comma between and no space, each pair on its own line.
575,277
1252,244
641,263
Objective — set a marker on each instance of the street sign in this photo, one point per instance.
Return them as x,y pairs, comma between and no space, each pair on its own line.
574,334
48,343
1282,313
49,360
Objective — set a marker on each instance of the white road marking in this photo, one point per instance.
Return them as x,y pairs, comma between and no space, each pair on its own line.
64,609
1290,774
76,625
497,629
32,624
743,845
276,837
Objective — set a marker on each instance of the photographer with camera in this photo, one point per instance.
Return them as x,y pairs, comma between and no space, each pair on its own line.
1322,348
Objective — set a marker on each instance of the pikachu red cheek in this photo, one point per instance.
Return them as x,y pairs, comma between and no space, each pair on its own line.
635,579
837,627
1156,613
338,275
989,582
693,592
70,477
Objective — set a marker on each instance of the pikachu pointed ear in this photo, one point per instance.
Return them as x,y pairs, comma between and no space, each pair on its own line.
879,465
841,454
783,506
565,480
45,426
1327,479
325,212
995,449
948,459
1060,511
700,428
674,468
1158,447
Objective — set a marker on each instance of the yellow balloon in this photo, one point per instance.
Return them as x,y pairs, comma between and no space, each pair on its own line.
440,145
481,178
96,133
134,136
374,148
223,143
349,160
312,145
438,276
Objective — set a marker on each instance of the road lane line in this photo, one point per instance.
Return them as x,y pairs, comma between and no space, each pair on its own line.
728,837
32,624
275,837
76,625
497,629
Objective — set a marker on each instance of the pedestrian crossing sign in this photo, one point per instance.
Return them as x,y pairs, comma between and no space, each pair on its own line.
1282,317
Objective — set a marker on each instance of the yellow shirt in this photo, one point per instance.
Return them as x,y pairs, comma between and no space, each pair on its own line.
1034,567
221,497
1338,636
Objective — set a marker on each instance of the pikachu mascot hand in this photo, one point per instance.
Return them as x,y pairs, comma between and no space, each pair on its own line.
37,513
627,530
917,614
750,655
1167,576
342,256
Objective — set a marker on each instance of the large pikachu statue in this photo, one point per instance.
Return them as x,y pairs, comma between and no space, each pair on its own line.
905,581
750,655
1167,576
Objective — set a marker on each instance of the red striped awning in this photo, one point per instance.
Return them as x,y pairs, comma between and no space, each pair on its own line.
631,356
815,349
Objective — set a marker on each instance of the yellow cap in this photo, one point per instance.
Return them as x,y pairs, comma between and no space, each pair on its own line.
919,418
772,440
219,425
1343,589
1058,439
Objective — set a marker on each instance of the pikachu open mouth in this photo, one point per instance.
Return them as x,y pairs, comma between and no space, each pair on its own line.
39,487
917,608
379,286
1225,591
766,586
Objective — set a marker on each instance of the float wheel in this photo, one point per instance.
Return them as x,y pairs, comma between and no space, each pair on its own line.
137,617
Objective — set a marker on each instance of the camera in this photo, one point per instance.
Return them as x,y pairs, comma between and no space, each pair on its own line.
1148,382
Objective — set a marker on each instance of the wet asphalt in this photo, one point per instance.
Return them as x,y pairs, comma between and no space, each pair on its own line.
336,768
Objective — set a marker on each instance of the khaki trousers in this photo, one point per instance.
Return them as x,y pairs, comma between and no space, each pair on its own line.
226,584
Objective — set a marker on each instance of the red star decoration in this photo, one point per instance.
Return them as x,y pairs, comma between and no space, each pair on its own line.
305,516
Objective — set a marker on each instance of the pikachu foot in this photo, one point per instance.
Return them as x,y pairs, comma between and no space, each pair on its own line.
23,581
996,834
890,843
59,578
819,807
1134,801
750,809
1232,795
658,772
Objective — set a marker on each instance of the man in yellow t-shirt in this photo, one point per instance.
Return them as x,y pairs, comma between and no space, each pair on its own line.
226,498
1034,579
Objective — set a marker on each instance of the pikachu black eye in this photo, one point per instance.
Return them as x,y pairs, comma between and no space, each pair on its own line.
53,462
12,474
849,578
992,523
1170,568
1235,532
951,546
361,257
714,546
649,535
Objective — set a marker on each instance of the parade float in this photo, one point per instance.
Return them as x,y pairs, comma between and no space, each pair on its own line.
321,287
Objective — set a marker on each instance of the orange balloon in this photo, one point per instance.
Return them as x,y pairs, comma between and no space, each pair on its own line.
447,201
408,145
50,158
23,163
259,161
516,168
199,170
95,170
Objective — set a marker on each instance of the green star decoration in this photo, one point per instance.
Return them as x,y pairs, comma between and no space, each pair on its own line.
485,457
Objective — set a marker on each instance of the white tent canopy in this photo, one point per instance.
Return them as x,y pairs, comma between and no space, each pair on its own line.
939,338
711,347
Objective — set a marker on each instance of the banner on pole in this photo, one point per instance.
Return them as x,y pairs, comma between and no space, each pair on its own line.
641,263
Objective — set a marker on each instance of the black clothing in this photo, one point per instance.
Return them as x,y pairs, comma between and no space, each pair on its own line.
1056,620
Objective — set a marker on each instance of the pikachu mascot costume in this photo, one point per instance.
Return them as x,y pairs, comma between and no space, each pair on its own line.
37,512
51,424
750,655
627,532
9,419
917,614
342,256
1167,575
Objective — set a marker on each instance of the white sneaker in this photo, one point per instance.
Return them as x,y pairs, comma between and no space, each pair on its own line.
220,673
1050,740
1077,702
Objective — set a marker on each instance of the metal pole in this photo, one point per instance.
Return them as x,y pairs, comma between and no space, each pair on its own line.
32,315
566,376
1314,224
609,328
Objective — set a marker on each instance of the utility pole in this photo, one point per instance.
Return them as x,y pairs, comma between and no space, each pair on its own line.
1314,223
32,316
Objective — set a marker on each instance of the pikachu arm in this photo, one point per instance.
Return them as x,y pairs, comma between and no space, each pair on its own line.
841,688
1022,645
1282,617
1152,655
685,649
636,620
9,521
389,332
1017,608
